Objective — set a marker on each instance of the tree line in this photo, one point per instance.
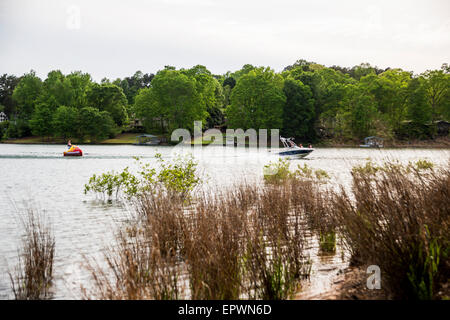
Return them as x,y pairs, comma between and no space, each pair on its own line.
306,100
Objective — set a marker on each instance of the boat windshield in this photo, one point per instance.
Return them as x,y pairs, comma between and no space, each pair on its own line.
288,142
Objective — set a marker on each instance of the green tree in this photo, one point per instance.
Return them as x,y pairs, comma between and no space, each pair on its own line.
41,121
242,72
65,122
60,90
357,115
173,97
26,93
362,70
437,86
88,122
94,124
363,114
215,117
391,95
301,64
78,84
3,129
148,110
132,85
54,91
211,93
229,81
106,126
419,111
298,113
110,98
7,85
257,101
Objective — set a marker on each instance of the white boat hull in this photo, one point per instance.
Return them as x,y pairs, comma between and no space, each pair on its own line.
296,152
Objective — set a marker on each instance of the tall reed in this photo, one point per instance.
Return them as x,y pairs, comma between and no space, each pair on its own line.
143,263
275,241
213,241
33,275
398,217
249,241
236,243
134,269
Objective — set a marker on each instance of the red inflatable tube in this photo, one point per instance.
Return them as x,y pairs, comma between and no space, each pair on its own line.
74,151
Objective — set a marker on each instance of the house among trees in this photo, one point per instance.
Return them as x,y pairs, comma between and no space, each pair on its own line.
136,124
3,117
372,142
147,139
443,127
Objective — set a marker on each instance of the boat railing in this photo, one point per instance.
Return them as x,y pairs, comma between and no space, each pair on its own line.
288,142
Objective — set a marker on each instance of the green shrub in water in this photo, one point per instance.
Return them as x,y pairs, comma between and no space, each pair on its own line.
309,173
422,165
276,173
371,169
327,241
178,177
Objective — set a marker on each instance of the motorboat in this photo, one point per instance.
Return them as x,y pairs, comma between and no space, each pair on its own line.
291,149
372,142
147,140
74,151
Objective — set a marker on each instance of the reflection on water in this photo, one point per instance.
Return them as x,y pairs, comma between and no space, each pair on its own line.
325,267
38,176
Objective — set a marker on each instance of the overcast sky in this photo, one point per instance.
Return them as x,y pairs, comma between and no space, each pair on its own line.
110,38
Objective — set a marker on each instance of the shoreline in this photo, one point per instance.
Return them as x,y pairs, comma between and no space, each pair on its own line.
438,143
351,284
348,284
333,146
129,139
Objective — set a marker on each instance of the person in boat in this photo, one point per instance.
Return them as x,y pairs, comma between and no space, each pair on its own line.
301,145
310,146
69,144
291,143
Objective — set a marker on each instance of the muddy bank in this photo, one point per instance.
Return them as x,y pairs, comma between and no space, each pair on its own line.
350,284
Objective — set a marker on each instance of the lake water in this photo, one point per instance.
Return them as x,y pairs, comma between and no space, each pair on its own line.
40,178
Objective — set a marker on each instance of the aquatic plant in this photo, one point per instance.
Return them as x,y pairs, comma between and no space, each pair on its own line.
178,177
422,164
217,244
422,275
134,269
277,172
274,257
327,241
110,183
400,222
33,275
213,242
309,173
249,241
369,168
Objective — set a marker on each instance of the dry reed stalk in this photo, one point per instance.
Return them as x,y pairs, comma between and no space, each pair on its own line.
399,219
32,277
